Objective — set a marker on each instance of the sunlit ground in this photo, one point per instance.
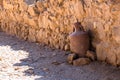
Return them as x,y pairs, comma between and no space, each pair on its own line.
8,57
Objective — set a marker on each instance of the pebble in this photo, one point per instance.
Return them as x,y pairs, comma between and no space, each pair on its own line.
56,63
45,69
71,57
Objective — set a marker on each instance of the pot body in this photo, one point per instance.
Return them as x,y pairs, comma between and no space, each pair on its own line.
79,42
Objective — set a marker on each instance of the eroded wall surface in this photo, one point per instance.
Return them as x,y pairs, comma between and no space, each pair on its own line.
51,21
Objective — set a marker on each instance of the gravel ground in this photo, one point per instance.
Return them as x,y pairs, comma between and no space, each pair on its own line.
23,60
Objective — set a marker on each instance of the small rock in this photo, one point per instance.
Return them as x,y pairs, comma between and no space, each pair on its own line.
37,43
21,47
42,56
54,54
91,55
45,69
30,71
71,57
81,61
67,47
17,68
56,63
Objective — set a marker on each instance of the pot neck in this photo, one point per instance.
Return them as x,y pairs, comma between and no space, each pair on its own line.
77,28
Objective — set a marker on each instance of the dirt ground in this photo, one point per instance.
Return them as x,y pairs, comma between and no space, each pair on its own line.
23,60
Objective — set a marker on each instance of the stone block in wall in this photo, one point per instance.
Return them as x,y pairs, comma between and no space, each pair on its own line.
44,22
31,10
106,14
111,55
118,55
46,39
12,28
39,35
100,30
7,5
78,9
26,18
24,32
116,34
30,21
107,52
40,6
115,11
18,31
101,50
32,35
12,16
33,23
23,6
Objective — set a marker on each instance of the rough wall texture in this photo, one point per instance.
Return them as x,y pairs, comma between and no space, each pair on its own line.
51,21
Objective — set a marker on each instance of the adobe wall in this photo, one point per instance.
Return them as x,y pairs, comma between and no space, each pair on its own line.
51,21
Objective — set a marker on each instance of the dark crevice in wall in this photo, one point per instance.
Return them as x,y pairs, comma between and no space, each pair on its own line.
83,4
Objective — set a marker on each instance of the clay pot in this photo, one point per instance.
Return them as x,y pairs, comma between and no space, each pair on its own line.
79,40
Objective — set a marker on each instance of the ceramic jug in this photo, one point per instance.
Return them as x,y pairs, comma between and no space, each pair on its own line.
79,40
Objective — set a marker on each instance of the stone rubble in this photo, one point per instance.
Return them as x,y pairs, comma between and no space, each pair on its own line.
71,58
91,55
81,61
77,61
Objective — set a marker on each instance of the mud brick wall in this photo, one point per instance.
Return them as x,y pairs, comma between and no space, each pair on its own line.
51,21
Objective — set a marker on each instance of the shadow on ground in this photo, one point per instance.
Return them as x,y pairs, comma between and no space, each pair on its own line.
50,64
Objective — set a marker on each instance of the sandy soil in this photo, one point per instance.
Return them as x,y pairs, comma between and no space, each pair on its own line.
23,60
